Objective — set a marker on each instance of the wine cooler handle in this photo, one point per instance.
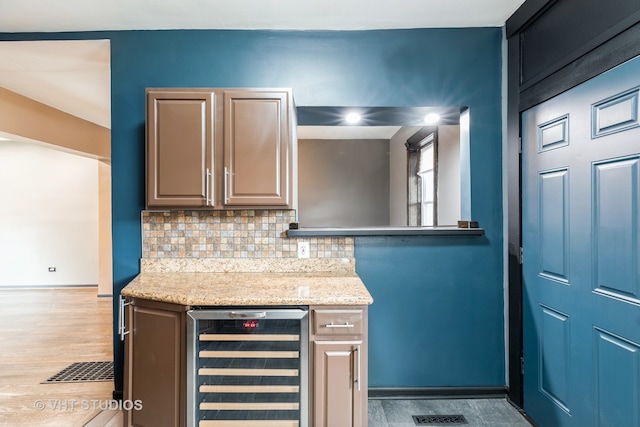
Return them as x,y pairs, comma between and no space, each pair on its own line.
248,314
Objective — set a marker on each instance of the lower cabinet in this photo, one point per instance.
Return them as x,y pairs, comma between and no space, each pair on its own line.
154,371
155,365
339,367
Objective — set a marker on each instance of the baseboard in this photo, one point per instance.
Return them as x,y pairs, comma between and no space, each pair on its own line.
104,418
436,392
524,414
32,287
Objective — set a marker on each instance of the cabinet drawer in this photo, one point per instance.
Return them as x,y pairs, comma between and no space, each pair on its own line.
337,322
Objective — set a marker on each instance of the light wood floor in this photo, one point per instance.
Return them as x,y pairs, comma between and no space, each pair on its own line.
42,331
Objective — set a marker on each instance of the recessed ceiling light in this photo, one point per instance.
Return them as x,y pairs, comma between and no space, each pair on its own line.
353,118
432,118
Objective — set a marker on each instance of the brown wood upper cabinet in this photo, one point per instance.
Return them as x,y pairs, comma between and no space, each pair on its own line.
180,148
219,148
256,148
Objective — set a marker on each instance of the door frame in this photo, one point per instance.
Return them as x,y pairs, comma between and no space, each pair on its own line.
595,54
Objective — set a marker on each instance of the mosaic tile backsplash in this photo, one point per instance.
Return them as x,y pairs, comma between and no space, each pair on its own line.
231,234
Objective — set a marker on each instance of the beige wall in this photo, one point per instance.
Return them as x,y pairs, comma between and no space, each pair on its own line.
23,118
48,218
77,141
105,269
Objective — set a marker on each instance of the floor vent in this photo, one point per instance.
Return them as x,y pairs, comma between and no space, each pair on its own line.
443,420
83,372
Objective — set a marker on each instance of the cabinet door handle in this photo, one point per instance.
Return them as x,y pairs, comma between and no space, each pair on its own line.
226,186
358,363
344,325
122,328
207,188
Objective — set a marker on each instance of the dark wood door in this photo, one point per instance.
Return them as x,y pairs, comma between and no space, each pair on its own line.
581,263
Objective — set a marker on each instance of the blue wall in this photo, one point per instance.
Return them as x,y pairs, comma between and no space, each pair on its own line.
437,319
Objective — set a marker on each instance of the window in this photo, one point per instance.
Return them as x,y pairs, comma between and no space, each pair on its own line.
422,175
426,178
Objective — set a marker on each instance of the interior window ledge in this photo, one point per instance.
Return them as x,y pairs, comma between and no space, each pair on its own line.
384,231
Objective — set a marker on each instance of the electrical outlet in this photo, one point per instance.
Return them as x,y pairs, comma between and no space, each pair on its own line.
52,269
303,249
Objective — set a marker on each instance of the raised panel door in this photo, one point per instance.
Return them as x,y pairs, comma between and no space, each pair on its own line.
257,148
180,135
337,384
581,242
155,351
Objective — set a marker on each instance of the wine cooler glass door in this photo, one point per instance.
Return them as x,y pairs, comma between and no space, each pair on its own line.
247,367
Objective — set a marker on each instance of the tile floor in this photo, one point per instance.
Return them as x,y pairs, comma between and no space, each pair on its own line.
397,413
494,412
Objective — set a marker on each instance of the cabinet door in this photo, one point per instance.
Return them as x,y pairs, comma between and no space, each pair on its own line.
338,388
257,148
180,148
155,364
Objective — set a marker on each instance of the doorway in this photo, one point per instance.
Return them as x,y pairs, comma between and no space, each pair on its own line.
581,244
55,99
52,221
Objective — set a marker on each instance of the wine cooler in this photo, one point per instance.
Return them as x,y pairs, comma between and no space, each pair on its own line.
248,367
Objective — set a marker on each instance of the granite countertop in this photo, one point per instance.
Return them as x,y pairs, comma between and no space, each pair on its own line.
250,288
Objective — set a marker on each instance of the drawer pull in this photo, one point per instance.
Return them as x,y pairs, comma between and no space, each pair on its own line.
345,325
358,369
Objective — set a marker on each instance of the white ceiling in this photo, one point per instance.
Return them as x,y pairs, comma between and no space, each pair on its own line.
74,76
86,15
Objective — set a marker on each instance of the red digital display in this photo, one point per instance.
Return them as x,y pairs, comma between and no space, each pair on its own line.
250,324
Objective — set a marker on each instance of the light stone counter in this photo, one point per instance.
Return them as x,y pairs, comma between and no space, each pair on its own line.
252,288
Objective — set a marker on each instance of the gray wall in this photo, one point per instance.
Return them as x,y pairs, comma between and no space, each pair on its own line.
343,183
